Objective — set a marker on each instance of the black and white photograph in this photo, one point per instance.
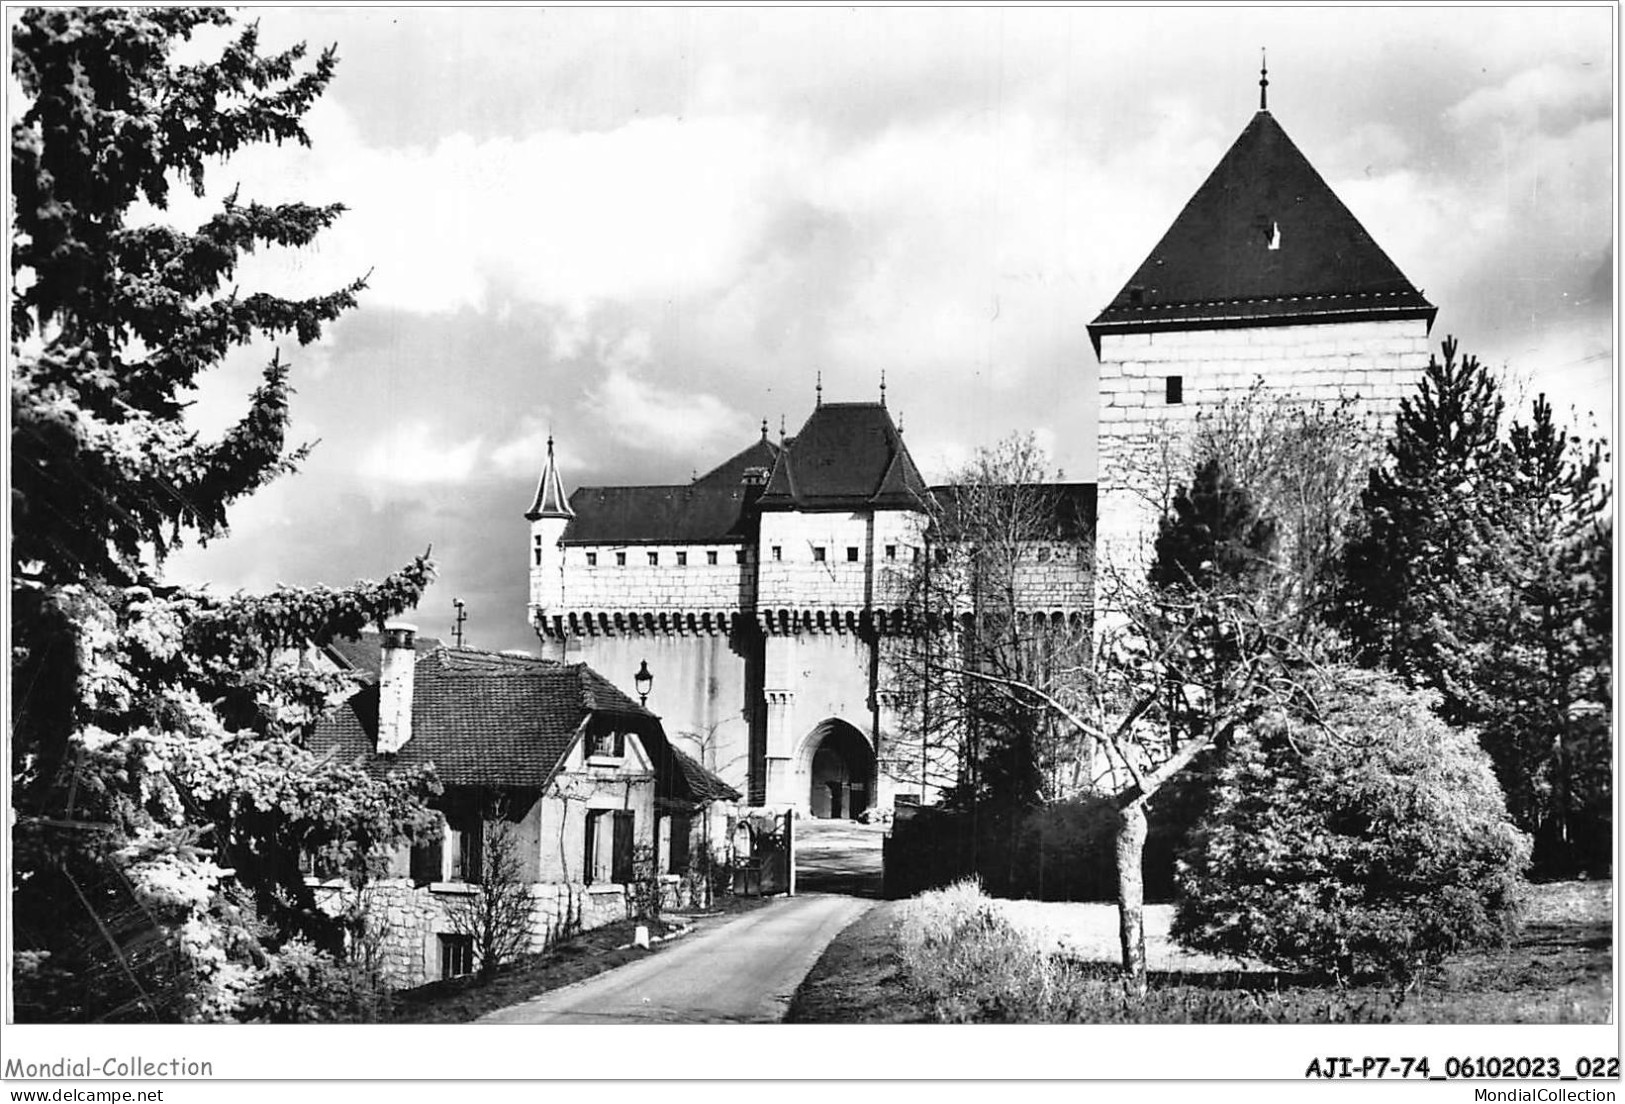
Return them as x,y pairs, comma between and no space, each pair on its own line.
1093,520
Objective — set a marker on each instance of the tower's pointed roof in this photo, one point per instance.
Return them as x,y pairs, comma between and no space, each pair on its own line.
550,501
847,456
1264,241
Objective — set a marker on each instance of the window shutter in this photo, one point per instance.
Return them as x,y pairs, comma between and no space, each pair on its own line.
621,857
426,859
590,834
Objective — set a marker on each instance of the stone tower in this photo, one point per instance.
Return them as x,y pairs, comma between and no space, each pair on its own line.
1265,279
549,515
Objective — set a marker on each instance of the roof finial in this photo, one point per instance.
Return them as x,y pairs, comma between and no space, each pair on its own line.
781,427
899,423
1263,78
883,388
764,429
818,390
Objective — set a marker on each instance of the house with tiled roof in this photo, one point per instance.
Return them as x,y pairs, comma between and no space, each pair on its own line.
582,779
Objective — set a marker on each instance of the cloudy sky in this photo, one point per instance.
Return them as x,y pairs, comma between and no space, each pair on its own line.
646,231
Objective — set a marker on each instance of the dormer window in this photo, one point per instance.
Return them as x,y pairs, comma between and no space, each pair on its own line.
606,745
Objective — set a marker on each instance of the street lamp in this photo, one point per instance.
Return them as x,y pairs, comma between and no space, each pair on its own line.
644,681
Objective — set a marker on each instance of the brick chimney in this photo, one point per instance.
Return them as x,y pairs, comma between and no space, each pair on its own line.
396,661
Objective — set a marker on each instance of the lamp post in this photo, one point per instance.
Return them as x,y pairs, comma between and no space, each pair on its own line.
644,681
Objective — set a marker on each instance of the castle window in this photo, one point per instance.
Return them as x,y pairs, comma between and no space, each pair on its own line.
818,554
851,553
891,551
1175,392
682,559
711,556
538,551
778,552
654,559
620,559
592,559
739,556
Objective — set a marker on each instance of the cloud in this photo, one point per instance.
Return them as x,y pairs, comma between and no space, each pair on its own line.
409,455
1547,98
642,415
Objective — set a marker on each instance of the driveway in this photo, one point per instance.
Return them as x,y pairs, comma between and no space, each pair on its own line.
743,970
839,856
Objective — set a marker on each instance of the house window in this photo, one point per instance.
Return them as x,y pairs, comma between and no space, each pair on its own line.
606,745
891,551
818,554
609,846
682,828
467,851
427,856
682,559
711,557
851,553
654,559
1175,391
778,553
620,559
592,559
456,956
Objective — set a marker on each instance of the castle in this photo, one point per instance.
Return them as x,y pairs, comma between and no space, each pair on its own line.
761,592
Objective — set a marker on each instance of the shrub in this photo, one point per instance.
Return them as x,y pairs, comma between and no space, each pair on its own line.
1374,843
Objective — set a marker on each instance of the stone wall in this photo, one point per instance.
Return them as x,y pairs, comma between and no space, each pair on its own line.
681,577
411,918
1141,431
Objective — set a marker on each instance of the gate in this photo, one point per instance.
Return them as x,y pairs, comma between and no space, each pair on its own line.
764,854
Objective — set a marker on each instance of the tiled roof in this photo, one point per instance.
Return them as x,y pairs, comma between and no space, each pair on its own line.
1061,511
848,455
702,785
485,719
710,510
362,655
1263,241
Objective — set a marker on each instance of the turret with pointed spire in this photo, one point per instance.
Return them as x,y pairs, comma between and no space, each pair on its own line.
549,515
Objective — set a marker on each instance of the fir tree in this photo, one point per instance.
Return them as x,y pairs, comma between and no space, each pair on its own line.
1543,657
1414,566
161,787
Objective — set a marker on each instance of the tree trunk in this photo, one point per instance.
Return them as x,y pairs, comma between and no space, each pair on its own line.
1131,894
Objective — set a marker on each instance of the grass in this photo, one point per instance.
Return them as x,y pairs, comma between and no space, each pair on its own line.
955,956
461,1000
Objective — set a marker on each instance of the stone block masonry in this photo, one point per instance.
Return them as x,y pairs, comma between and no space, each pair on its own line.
1154,385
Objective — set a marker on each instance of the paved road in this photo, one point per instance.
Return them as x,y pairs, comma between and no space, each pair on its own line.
838,856
742,971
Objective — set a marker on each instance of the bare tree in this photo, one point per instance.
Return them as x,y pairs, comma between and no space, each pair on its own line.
498,916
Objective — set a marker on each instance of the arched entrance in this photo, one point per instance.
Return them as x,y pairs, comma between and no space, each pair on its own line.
840,771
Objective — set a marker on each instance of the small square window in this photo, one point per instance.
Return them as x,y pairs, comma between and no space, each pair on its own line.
711,556
1175,389
682,559
592,559
891,551
818,554
620,559
778,552
851,554
654,559
739,555
1043,555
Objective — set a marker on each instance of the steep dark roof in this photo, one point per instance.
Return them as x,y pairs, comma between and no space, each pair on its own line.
363,655
847,456
549,492
710,510
1214,267
685,785
485,719
1067,510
